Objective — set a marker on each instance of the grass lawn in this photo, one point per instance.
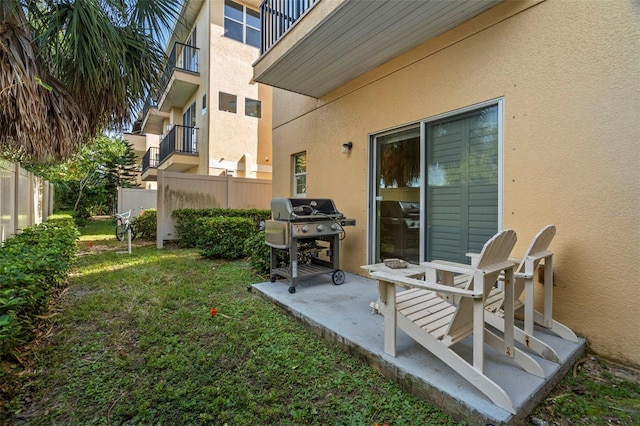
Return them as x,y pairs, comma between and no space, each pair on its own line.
133,340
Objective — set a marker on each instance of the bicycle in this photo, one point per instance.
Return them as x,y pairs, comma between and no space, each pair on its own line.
124,225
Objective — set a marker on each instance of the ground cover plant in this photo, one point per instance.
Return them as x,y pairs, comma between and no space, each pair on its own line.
33,264
167,337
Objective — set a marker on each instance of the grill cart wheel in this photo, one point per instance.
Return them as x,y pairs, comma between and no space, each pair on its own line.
337,277
292,289
273,278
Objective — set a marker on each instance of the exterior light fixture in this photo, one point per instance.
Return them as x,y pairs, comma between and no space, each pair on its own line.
346,147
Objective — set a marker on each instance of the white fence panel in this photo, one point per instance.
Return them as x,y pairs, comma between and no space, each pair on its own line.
7,199
136,199
25,199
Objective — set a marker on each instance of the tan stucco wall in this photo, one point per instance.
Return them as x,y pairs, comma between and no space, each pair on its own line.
234,137
263,155
568,74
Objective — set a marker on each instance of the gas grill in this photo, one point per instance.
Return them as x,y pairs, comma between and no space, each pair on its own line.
400,229
307,229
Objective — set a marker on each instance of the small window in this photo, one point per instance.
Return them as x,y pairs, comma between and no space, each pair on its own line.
252,108
227,102
204,104
300,175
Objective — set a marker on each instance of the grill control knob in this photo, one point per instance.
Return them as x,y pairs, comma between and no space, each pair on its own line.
334,227
305,228
320,228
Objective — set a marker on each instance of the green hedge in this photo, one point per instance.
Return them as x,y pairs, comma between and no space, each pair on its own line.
224,237
31,264
187,227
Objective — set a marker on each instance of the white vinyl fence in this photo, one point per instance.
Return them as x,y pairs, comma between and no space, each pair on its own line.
183,190
136,200
25,199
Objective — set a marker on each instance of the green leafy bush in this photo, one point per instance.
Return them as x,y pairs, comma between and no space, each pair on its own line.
32,263
187,227
223,237
259,254
147,225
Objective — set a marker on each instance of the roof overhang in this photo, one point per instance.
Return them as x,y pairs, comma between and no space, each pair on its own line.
339,40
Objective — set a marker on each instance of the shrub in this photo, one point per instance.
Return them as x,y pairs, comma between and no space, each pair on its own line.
187,227
147,225
81,217
32,263
223,237
259,253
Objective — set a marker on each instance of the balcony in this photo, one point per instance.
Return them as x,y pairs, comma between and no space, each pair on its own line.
277,17
152,118
179,149
150,162
180,78
317,49
138,143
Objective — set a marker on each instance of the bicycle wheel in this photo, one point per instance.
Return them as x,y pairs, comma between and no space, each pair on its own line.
133,232
120,231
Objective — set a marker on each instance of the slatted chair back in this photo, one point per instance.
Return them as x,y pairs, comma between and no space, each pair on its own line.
540,242
491,262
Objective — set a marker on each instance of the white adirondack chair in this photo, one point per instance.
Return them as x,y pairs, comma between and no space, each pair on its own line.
437,324
525,272
524,283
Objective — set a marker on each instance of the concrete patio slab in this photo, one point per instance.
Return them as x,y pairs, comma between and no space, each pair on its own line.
342,316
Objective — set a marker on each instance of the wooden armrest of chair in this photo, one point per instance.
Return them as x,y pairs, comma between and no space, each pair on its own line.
424,285
444,265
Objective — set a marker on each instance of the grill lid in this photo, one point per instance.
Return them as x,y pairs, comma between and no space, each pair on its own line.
297,209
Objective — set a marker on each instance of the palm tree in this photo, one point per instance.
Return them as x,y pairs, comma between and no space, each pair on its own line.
71,68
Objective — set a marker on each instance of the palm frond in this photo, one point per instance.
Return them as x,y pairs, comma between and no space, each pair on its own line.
37,115
97,57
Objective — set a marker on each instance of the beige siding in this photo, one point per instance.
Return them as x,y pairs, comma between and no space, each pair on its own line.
568,74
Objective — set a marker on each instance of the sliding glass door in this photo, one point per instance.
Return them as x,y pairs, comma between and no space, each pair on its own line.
436,187
397,195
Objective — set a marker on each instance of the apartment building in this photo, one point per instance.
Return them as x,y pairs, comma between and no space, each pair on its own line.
208,117
469,117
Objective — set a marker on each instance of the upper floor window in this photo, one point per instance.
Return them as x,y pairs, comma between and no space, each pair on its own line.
252,108
241,23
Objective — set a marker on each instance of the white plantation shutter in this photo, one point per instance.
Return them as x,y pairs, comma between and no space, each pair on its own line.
462,184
